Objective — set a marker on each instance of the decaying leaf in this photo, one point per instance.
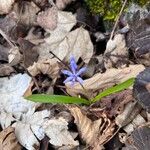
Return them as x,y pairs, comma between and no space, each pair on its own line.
141,89
139,139
61,4
138,39
26,12
57,131
94,133
5,6
30,125
112,105
48,18
101,81
8,140
116,53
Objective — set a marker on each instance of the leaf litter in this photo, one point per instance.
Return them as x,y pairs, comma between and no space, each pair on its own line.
36,43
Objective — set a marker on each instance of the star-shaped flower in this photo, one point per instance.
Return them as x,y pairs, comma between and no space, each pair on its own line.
74,74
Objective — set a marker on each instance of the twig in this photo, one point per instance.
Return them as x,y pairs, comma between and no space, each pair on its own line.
117,20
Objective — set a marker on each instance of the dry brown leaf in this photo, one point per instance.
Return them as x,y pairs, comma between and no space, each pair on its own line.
101,81
48,18
49,67
94,133
26,12
61,4
8,140
116,53
5,6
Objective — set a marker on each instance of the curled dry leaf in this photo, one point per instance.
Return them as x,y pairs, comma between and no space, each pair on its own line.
5,6
48,18
26,12
8,140
49,67
141,89
101,81
61,4
57,131
116,53
94,133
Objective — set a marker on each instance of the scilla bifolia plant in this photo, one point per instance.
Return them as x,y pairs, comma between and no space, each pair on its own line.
74,76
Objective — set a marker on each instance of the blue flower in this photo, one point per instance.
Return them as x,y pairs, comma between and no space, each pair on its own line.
74,74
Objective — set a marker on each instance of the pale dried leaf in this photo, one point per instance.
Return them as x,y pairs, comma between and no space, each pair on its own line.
76,43
11,91
57,131
56,39
8,140
116,53
101,81
61,4
26,12
49,67
5,6
48,18
30,125
94,133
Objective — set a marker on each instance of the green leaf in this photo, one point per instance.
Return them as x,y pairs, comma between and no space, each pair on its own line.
60,99
114,89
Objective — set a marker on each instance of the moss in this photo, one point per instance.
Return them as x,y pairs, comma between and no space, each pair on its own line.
109,9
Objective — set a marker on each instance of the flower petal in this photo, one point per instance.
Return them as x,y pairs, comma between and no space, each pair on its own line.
66,72
81,71
68,79
80,80
73,64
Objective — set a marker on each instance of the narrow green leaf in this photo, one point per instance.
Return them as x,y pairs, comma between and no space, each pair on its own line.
60,99
114,89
